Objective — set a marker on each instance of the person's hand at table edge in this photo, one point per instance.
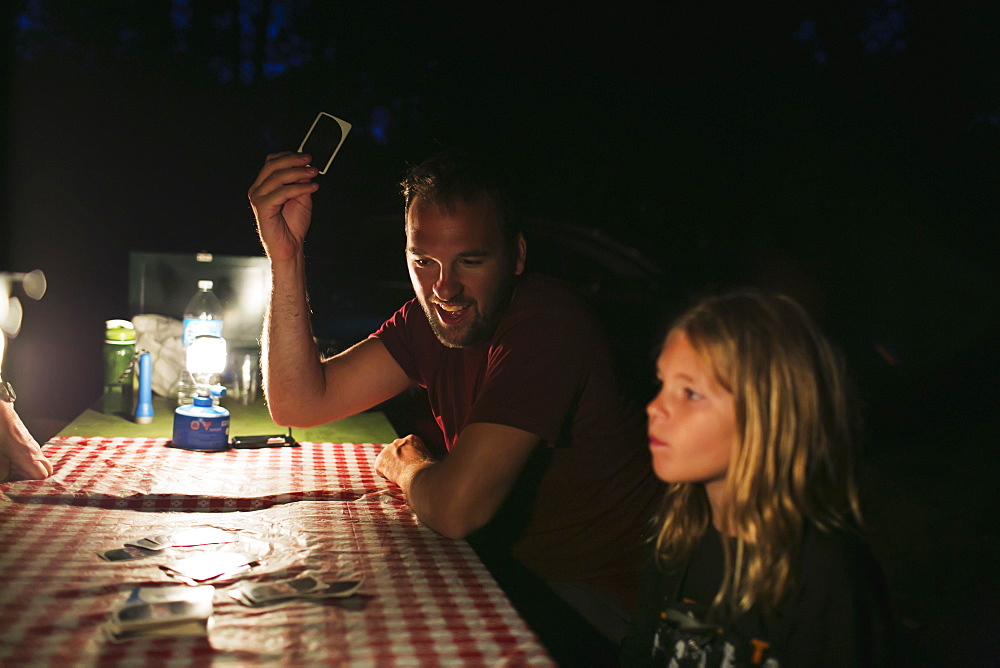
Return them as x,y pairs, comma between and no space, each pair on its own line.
20,456
400,460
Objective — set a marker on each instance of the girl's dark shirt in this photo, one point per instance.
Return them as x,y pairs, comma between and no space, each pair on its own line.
836,612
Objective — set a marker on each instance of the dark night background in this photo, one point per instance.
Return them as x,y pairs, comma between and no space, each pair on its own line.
845,153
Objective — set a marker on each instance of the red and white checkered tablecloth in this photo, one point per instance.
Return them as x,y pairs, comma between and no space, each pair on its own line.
426,600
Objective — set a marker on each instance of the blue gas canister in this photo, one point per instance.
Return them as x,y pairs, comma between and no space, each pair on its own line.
201,426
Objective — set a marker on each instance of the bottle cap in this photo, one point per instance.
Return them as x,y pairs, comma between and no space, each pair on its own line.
119,331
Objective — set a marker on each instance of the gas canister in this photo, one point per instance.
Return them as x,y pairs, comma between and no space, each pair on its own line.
201,426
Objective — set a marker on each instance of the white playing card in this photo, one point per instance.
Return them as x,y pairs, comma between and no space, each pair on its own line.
206,566
188,537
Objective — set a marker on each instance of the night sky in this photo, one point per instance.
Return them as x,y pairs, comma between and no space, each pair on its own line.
844,154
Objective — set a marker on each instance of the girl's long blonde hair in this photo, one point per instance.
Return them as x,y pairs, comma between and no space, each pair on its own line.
793,463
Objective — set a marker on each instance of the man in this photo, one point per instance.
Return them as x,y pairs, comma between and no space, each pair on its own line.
546,462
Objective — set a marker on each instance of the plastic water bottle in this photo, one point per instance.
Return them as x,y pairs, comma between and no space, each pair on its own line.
202,315
119,354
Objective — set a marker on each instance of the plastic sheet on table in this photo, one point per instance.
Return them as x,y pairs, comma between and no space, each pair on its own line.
424,599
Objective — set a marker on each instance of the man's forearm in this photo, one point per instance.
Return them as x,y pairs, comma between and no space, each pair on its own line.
445,500
460,493
435,504
429,487
290,363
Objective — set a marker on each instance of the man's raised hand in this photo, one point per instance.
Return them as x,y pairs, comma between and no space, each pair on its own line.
281,198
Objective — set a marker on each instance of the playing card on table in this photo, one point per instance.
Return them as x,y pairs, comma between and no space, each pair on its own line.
189,537
127,553
305,586
206,566
159,611
147,544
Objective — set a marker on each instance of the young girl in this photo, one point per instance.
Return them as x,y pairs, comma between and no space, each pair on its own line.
756,561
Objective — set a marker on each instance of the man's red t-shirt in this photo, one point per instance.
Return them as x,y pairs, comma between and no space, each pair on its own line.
582,506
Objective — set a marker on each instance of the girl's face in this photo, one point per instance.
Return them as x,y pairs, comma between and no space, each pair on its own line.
692,421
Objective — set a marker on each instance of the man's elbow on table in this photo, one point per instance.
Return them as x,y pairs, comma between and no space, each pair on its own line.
465,490
291,414
452,515
457,526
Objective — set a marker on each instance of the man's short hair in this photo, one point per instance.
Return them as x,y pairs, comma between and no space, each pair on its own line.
449,177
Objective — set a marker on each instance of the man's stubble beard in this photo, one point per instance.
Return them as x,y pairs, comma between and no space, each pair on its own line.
482,328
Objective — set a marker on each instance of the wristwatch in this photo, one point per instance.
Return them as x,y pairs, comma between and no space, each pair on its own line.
7,391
